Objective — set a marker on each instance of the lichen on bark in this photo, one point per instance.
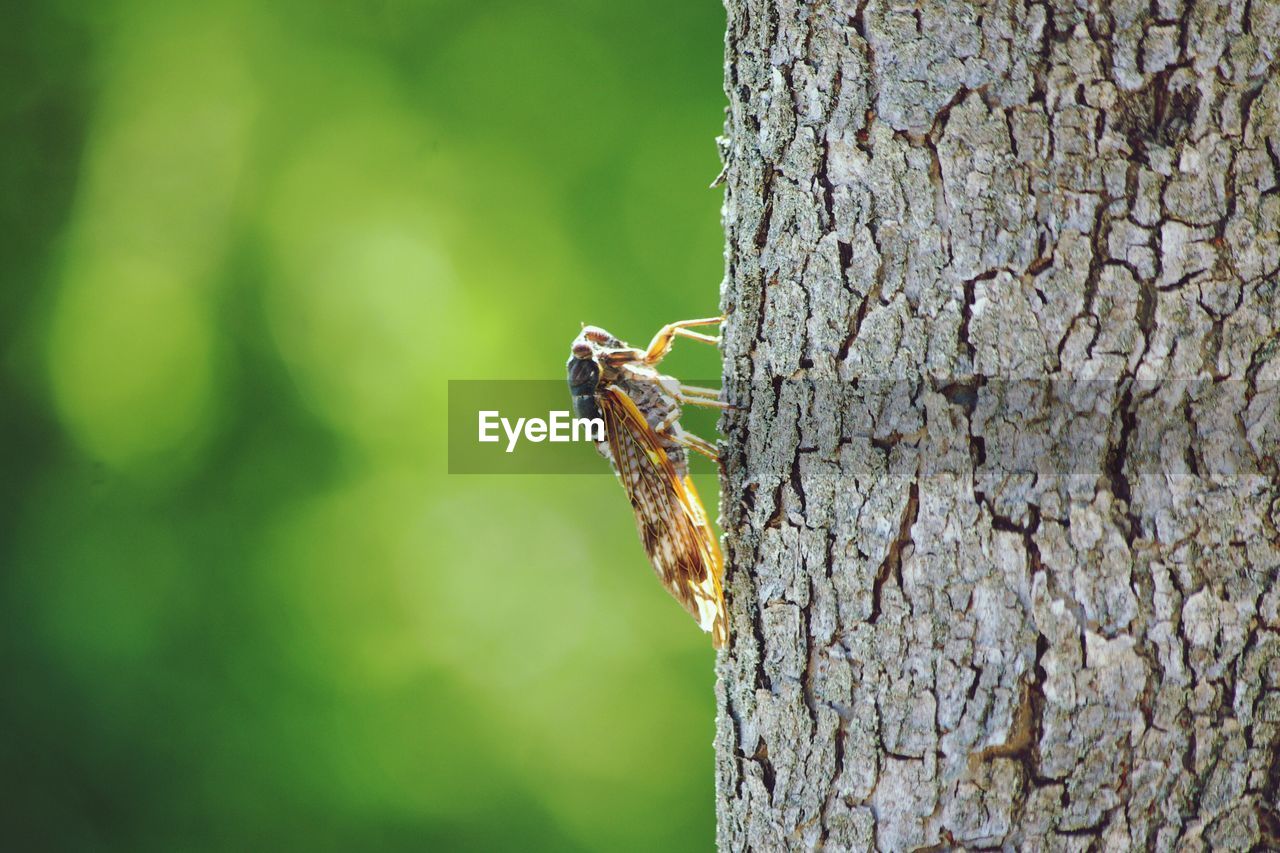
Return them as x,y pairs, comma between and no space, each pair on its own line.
1001,503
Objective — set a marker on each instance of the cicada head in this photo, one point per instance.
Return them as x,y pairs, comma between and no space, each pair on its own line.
593,340
585,362
584,377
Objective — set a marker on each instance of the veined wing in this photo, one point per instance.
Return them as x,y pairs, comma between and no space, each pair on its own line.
672,523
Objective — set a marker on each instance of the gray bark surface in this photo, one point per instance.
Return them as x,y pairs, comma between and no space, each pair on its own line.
1026,596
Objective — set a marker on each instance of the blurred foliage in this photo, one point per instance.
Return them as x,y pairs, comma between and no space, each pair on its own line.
245,246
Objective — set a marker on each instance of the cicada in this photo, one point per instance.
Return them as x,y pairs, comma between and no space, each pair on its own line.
648,450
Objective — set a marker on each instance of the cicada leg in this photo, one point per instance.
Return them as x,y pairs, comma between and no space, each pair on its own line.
662,342
671,428
691,395
695,443
619,357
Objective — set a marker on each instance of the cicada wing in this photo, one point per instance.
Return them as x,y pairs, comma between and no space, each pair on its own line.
670,519
710,592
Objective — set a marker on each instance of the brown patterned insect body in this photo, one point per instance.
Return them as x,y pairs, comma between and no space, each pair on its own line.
649,452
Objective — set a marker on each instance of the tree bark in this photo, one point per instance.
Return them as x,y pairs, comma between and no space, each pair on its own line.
1000,504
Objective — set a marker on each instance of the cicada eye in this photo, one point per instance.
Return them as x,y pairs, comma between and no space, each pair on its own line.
582,350
596,334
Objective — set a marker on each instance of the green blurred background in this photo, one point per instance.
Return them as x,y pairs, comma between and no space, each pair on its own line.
245,245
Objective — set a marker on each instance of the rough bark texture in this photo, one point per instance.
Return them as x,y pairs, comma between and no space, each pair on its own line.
952,627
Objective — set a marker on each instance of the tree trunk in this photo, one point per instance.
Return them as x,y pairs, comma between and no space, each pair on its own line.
1001,503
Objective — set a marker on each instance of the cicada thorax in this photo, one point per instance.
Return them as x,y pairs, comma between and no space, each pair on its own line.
661,411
